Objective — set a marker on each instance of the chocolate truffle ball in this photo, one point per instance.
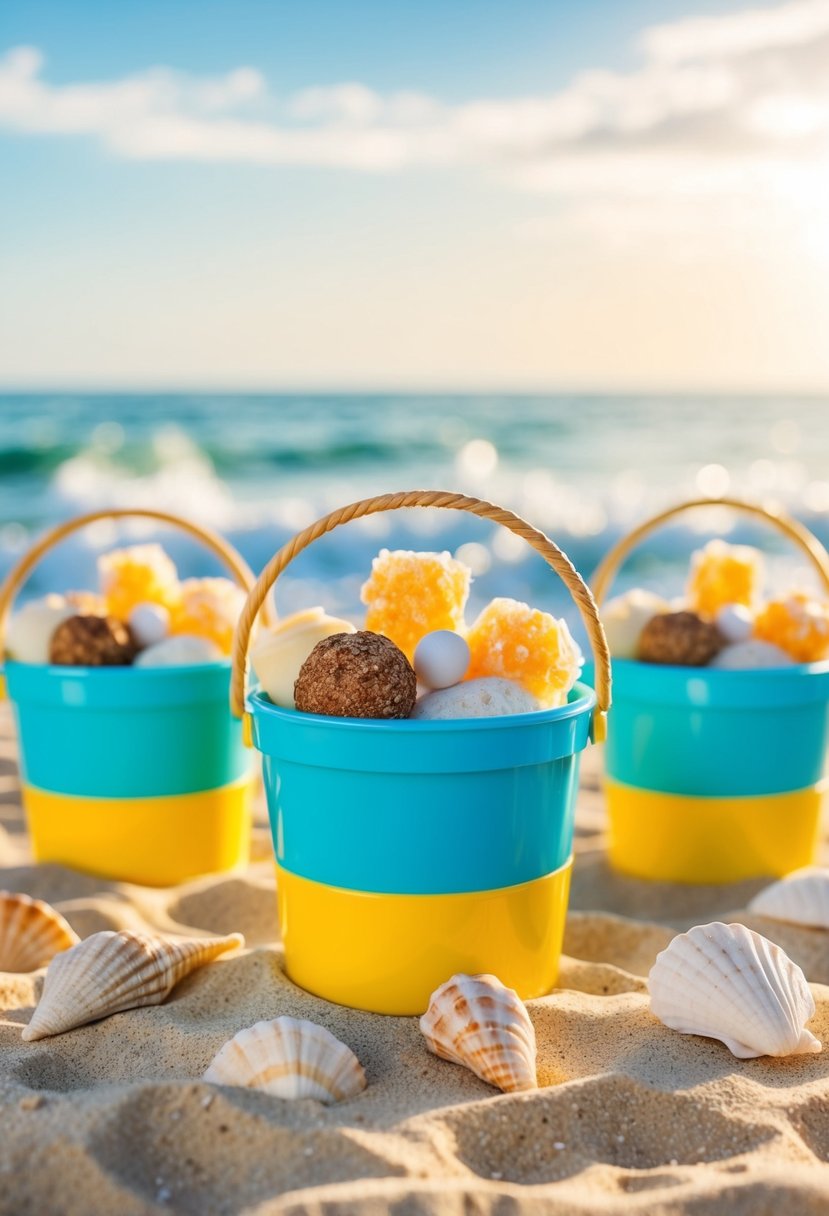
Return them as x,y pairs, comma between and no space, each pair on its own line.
356,675
679,638
92,641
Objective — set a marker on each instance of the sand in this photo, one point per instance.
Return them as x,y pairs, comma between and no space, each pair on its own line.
631,1117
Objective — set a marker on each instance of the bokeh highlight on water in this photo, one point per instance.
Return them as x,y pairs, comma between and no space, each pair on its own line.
259,467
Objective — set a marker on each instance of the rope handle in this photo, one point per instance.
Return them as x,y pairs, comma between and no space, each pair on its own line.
791,528
554,557
18,575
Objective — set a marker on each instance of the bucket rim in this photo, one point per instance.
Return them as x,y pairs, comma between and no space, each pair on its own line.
723,674
124,687
258,702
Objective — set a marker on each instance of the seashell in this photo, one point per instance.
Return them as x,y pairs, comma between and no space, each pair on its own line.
802,898
289,1058
31,933
110,972
475,1021
728,983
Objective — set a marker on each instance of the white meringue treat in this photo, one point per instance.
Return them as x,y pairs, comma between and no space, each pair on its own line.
742,656
487,697
625,616
735,622
280,652
183,650
441,659
149,624
31,628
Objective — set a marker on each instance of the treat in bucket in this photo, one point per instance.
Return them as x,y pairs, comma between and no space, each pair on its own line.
132,765
421,776
714,765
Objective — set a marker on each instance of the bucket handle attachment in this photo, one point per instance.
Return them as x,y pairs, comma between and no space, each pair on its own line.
791,528
18,575
555,558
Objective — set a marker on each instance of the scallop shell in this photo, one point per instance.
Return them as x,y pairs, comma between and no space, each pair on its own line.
728,983
802,898
475,1021
110,972
289,1059
31,933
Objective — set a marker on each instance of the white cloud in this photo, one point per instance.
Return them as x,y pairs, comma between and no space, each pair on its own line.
752,85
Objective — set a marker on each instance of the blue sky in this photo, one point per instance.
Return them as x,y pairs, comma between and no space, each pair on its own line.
614,193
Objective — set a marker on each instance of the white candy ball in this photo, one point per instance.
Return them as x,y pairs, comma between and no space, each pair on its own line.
183,650
743,656
734,622
441,659
149,623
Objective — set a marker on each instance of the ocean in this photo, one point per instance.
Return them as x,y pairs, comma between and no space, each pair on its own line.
258,467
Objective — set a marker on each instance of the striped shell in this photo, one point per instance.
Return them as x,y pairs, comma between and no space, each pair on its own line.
110,972
31,933
728,983
802,898
289,1059
475,1021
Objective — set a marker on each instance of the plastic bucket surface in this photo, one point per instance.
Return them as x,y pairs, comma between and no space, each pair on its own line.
447,841
716,776
132,773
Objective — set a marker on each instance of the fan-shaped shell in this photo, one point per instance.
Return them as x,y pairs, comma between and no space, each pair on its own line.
728,983
110,972
289,1058
475,1021
802,898
31,933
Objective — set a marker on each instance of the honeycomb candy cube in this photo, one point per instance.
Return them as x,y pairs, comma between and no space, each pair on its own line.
137,574
798,624
411,594
512,640
724,574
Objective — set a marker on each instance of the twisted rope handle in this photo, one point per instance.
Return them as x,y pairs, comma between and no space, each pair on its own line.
18,575
791,528
554,557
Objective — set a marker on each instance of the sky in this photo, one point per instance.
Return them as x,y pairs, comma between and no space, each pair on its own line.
605,195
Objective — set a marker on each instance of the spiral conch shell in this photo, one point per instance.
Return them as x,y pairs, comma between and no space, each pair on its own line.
31,933
728,983
110,972
289,1058
475,1021
801,898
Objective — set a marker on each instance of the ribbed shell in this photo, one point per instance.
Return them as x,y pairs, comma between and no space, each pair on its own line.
31,933
475,1021
728,983
289,1058
110,972
802,898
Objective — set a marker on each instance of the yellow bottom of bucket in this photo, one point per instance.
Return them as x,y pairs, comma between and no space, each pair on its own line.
388,953
153,841
674,838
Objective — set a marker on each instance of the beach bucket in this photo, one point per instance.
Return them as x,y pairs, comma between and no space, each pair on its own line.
410,850
711,775
137,774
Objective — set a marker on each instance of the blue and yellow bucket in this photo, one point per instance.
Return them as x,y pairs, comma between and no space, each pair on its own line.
135,774
715,776
409,850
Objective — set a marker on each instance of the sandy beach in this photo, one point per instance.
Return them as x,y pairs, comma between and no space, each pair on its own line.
630,1116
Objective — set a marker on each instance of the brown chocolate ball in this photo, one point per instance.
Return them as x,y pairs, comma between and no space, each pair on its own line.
356,675
679,638
92,641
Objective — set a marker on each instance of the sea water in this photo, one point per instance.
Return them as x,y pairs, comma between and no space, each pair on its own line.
259,467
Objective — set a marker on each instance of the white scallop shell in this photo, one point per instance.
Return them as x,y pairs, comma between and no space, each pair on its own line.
289,1058
625,616
31,933
475,1021
728,983
110,972
802,898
